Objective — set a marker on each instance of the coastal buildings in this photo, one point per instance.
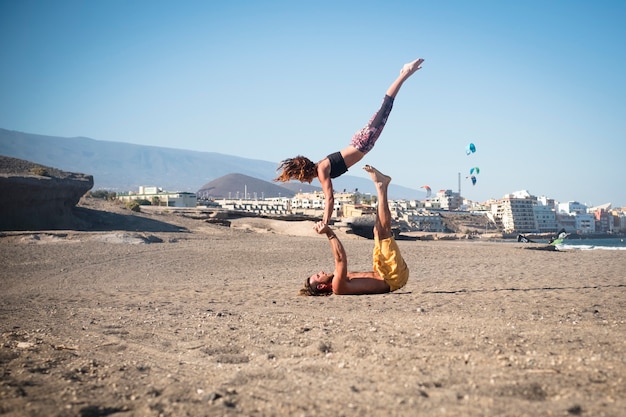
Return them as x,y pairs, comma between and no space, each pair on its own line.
518,212
157,197
273,206
444,200
521,212
426,221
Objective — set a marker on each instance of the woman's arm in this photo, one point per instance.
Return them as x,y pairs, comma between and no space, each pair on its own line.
323,175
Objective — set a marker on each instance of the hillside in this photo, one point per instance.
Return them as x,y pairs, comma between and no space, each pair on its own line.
235,185
118,166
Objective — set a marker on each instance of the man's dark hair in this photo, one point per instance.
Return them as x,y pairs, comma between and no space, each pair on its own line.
311,291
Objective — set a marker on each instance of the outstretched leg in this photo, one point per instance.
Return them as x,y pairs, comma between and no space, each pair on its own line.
386,258
382,227
364,139
406,71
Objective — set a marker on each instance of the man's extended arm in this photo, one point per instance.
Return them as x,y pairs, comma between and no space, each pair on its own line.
359,283
339,253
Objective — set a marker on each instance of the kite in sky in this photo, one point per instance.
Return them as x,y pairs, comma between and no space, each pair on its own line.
470,149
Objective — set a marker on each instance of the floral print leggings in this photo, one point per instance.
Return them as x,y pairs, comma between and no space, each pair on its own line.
364,139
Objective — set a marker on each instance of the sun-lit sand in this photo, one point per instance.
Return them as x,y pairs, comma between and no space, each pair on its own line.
206,322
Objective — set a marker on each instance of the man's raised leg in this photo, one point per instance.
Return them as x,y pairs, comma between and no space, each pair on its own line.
382,228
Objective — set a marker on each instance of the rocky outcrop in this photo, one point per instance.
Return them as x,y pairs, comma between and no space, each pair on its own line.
35,197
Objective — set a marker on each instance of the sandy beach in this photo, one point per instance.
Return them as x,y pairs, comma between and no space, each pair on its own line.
161,315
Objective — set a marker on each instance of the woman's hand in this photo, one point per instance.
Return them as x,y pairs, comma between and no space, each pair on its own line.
321,228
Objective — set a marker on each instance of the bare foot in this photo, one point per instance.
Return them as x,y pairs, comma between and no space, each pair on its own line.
408,69
376,175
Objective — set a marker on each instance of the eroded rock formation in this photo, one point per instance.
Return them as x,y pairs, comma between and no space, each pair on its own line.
35,197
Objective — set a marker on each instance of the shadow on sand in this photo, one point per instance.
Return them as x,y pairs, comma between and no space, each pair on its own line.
90,220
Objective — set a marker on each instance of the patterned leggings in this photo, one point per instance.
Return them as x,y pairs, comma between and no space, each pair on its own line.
364,139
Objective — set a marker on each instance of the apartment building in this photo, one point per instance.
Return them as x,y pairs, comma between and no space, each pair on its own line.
516,214
545,216
158,197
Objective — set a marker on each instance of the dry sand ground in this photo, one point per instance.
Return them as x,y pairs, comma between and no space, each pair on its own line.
205,321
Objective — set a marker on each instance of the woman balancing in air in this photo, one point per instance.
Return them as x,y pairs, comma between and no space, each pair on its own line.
303,169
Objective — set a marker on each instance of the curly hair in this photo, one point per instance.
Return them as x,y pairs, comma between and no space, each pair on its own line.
299,168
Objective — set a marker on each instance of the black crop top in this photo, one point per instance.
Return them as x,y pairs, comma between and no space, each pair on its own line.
337,165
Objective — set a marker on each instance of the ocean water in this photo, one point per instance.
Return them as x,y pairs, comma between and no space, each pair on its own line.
616,243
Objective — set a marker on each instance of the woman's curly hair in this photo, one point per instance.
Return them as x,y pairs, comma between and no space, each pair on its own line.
299,168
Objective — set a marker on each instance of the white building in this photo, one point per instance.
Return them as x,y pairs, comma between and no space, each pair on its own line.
157,197
423,220
516,214
317,201
546,218
446,200
572,207
585,223
546,201
273,206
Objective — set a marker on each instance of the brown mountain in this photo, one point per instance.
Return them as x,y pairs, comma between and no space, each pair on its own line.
236,185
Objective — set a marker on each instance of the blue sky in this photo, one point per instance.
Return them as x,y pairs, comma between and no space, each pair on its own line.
538,86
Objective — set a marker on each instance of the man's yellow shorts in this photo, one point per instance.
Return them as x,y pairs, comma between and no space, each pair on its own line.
389,264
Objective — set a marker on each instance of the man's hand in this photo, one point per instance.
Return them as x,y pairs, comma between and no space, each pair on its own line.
321,228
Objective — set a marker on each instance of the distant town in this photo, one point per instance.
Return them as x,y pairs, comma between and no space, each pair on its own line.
445,210
515,213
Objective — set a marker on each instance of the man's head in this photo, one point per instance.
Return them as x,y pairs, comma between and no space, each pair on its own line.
318,284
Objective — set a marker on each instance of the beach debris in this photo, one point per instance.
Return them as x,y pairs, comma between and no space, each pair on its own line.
554,244
127,238
64,347
324,347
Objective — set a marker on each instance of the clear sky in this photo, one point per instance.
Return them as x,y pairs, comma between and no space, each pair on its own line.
538,86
